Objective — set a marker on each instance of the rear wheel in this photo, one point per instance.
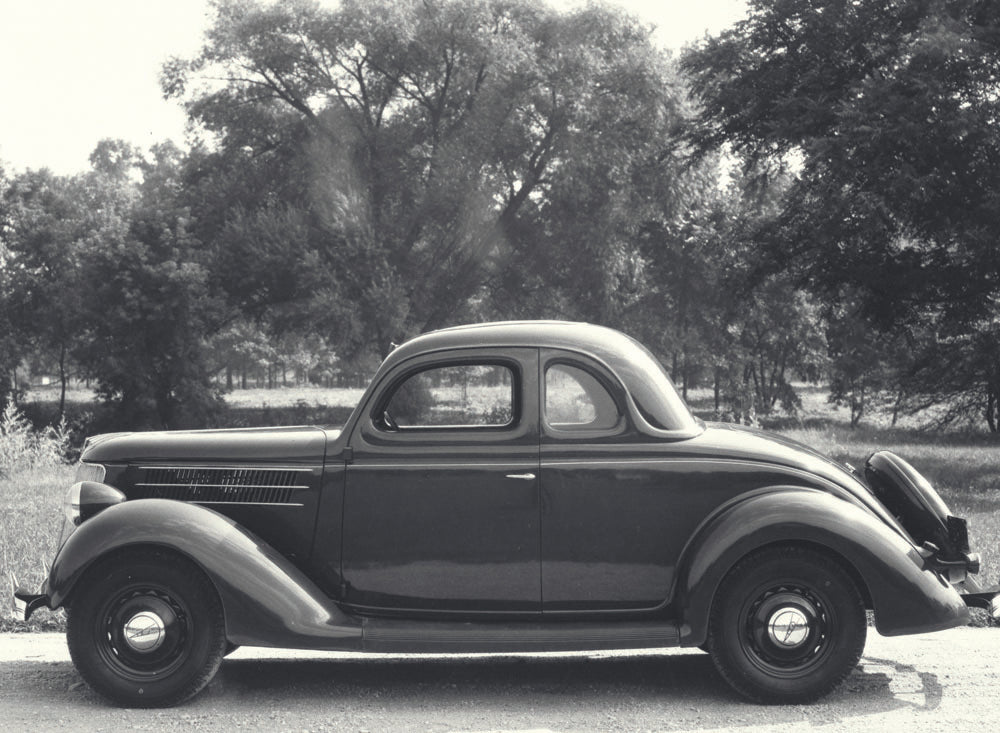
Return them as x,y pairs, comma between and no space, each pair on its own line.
147,630
787,626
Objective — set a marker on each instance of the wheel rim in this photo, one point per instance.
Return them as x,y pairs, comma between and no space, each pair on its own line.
787,630
143,633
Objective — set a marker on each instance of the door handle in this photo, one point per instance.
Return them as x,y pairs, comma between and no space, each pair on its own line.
522,476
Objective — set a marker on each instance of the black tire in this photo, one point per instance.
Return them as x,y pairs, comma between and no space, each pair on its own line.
787,625
178,634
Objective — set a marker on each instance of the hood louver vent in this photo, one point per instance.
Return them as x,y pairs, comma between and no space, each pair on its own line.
205,485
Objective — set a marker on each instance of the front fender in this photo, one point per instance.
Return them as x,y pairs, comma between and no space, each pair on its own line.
267,601
907,595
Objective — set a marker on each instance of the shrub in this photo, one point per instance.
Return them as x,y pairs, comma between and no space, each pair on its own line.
22,447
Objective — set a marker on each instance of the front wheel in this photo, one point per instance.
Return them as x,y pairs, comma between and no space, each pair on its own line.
787,626
146,630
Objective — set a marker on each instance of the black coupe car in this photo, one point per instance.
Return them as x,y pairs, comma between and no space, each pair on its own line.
508,487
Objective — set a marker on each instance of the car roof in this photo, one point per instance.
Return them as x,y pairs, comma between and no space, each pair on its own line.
633,365
585,337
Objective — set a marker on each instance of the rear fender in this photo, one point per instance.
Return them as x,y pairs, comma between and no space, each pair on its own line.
907,594
266,599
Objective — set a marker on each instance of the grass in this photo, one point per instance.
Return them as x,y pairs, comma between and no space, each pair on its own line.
30,520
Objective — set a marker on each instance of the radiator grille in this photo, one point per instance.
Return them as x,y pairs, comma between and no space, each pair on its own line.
207,485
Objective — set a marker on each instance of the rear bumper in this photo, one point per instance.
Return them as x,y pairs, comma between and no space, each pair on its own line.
976,597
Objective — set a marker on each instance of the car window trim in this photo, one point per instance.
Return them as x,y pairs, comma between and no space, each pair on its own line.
517,390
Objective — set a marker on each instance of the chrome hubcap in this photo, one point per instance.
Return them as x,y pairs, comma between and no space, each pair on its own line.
788,627
145,631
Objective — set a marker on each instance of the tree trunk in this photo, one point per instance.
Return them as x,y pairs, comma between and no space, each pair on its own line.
896,406
857,405
165,409
684,375
715,389
62,380
758,385
991,407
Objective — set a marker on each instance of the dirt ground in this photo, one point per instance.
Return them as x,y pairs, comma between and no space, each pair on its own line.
932,682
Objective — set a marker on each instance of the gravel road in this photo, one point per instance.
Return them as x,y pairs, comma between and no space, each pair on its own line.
931,682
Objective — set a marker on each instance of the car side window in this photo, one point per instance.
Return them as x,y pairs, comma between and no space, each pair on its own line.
453,396
576,400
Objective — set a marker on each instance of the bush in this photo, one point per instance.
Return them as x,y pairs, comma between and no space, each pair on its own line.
22,447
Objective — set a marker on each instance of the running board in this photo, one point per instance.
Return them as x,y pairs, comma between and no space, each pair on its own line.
393,635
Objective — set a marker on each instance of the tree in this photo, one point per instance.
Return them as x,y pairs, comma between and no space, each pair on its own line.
9,342
887,112
45,220
707,305
148,306
868,367
427,159
689,258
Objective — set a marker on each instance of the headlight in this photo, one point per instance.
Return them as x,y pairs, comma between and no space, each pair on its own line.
86,498
89,472
71,503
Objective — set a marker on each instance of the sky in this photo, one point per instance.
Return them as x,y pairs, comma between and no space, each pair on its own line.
76,71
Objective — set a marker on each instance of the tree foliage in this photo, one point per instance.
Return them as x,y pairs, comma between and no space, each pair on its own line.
150,307
887,112
429,156
100,273
46,218
9,342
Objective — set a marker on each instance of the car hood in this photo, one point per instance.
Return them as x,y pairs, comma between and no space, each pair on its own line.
288,445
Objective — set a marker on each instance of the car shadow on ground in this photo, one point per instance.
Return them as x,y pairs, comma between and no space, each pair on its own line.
659,691
686,684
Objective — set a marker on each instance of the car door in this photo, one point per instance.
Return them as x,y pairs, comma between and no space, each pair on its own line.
441,506
611,513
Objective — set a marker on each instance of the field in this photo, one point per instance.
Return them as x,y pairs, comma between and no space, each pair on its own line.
964,467
238,398
30,519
